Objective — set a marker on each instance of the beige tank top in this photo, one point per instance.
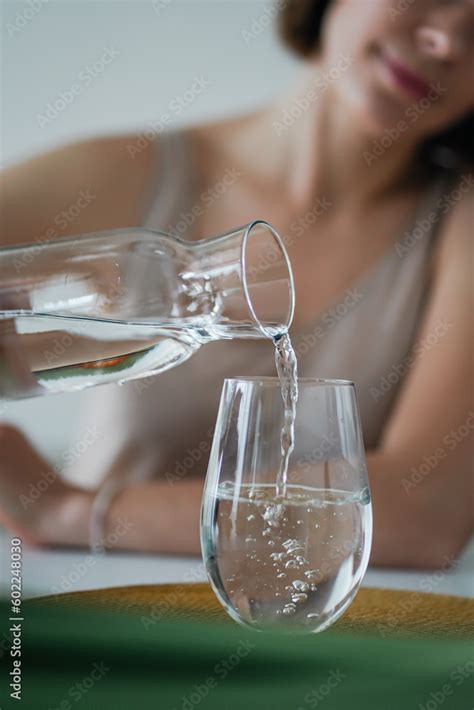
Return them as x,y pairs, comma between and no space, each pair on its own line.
162,427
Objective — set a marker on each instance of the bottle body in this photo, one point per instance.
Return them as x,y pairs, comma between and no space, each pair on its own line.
52,354
119,305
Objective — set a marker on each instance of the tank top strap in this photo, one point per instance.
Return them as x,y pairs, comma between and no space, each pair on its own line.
170,188
438,204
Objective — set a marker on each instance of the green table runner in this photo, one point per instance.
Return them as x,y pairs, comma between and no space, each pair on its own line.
99,660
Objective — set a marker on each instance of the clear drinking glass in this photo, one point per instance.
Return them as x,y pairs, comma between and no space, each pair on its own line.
295,560
122,304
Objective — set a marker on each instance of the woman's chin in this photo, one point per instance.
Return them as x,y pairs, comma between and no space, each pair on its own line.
380,116
371,110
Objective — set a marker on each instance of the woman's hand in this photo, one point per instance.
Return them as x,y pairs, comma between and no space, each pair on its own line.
35,503
156,517
42,509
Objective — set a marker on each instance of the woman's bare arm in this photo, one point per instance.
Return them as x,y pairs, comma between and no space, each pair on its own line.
78,188
43,509
422,474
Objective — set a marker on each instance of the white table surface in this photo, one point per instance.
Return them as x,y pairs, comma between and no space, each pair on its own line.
47,571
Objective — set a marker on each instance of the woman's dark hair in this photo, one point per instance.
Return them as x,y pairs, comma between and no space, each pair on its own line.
300,27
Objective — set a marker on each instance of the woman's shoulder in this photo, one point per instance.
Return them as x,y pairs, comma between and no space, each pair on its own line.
94,179
109,164
456,204
454,249
101,153
220,131
229,140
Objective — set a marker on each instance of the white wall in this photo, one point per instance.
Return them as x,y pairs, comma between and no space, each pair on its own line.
160,47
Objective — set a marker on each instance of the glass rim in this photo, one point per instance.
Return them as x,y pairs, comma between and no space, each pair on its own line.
267,330
269,381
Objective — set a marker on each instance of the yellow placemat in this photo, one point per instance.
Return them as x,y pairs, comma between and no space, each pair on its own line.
381,611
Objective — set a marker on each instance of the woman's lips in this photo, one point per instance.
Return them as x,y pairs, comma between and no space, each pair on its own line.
406,79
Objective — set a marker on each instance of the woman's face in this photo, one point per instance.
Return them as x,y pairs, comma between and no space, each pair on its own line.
408,61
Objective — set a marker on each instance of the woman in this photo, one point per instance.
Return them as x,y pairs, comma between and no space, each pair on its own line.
364,167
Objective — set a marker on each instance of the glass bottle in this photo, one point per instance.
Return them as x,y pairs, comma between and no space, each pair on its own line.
123,304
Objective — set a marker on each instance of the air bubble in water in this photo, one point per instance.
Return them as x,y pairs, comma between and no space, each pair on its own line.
250,539
298,598
278,556
250,517
291,564
271,543
281,575
293,547
311,573
311,616
273,514
289,609
300,586
301,560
